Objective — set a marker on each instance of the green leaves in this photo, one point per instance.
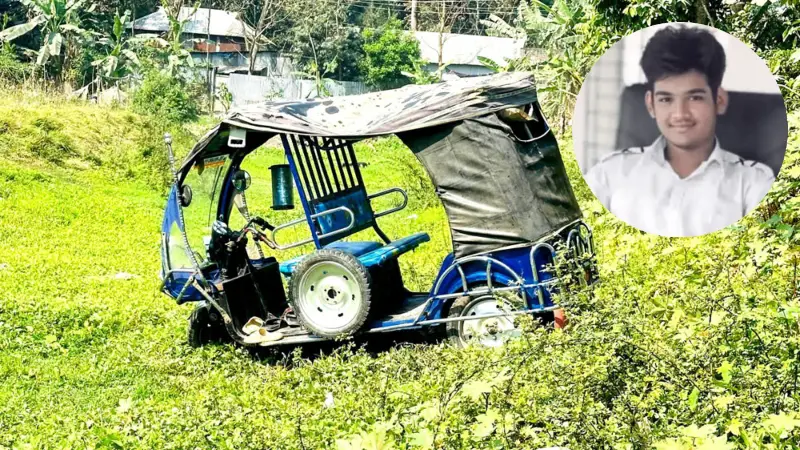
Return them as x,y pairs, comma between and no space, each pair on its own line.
692,399
476,389
11,33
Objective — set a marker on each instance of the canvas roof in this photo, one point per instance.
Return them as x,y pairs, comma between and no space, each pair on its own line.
222,23
465,49
391,111
385,112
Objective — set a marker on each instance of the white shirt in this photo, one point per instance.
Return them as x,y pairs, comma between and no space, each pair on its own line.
639,186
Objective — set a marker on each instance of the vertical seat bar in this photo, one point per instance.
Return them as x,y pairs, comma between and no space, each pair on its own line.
299,158
323,181
333,168
355,164
310,168
349,165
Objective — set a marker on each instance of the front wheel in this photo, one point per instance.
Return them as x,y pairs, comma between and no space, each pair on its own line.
205,326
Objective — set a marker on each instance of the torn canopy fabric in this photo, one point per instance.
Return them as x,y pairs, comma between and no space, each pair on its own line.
497,190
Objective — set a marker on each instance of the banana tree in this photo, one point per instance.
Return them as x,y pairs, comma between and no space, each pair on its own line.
60,23
120,60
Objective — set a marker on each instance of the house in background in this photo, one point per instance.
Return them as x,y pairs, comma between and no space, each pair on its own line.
461,51
219,37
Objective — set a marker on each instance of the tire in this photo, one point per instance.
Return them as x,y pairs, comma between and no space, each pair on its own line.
205,326
457,331
330,293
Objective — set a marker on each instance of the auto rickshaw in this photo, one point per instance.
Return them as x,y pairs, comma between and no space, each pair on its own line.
496,168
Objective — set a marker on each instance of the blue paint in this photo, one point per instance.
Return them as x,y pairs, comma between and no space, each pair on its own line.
355,248
356,201
369,253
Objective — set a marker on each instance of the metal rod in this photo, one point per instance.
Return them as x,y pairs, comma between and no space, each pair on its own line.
390,210
349,165
316,156
316,193
463,278
535,269
225,317
181,221
349,227
355,163
184,288
333,171
296,152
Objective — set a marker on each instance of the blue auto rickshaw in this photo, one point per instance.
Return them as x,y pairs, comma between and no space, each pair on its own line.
496,168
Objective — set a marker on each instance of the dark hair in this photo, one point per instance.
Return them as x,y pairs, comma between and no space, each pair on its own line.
678,50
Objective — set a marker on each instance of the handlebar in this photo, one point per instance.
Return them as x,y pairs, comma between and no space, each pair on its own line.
257,234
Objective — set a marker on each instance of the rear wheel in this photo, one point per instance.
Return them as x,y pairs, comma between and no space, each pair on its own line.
488,331
331,293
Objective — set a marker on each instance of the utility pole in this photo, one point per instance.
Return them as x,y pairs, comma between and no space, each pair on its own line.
413,15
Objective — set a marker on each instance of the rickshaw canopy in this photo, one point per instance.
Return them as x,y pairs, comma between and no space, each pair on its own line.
498,187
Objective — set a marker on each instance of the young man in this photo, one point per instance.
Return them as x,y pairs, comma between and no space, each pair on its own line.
683,184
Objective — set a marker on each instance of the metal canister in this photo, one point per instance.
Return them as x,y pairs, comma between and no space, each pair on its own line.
282,187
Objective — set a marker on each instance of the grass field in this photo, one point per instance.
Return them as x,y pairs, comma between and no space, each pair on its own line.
696,332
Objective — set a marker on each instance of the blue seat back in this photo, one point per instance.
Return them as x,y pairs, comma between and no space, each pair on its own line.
329,177
356,201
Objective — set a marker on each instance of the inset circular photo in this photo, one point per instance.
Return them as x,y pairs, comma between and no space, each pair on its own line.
680,129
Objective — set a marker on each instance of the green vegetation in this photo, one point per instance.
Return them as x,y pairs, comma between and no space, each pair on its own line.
687,343
388,52
165,97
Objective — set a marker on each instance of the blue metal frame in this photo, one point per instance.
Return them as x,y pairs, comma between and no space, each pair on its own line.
301,192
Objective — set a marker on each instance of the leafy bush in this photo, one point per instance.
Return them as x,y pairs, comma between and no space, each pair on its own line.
785,64
165,98
388,52
11,69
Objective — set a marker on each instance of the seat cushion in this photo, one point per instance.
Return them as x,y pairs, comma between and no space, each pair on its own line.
356,248
393,249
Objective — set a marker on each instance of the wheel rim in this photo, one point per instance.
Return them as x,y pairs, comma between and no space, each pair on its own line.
490,331
330,297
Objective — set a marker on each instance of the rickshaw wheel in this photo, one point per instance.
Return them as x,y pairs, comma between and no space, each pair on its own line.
330,293
488,332
205,326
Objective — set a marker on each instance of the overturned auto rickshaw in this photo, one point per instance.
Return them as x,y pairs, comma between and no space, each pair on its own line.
495,165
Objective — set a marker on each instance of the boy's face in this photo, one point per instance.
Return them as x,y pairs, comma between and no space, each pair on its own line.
685,110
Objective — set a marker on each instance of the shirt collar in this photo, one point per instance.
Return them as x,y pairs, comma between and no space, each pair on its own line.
658,148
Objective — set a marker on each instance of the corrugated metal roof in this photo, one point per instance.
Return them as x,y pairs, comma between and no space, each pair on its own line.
222,23
465,49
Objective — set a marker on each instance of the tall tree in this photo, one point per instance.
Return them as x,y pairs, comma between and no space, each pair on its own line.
323,39
272,13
